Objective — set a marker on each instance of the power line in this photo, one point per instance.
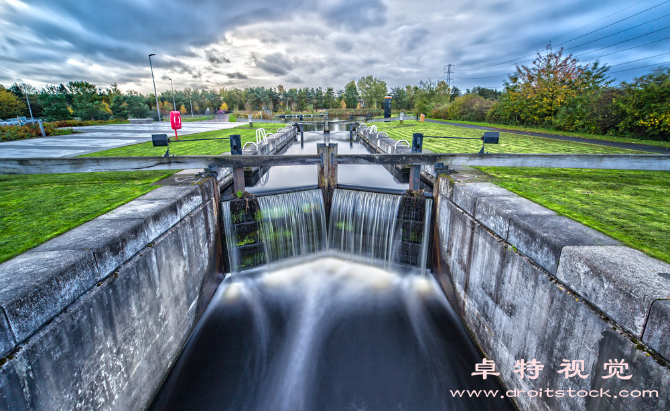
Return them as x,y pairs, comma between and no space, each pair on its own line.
615,44
633,61
615,65
621,31
619,21
532,47
616,22
635,68
629,48
621,42
516,60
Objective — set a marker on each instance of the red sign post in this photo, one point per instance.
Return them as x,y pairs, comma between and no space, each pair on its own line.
175,122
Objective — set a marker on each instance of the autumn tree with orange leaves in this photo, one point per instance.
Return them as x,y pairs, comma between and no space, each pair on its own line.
536,94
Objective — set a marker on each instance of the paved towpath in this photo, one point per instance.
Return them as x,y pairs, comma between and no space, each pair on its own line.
97,138
630,146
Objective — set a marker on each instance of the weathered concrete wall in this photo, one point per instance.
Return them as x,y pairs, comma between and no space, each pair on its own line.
530,284
95,318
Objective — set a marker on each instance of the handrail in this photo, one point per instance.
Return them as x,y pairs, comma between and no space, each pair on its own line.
249,142
400,141
46,165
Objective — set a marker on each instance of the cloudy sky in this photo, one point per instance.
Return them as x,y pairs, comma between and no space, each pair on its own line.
297,43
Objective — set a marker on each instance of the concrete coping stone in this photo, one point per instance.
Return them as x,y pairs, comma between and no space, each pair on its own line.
158,214
111,241
188,196
36,286
542,237
465,195
495,212
620,281
657,332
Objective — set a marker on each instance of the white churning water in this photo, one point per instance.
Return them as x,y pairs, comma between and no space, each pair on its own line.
327,335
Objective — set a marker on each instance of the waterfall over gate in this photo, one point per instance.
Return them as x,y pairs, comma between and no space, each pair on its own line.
273,228
363,226
367,227
293,224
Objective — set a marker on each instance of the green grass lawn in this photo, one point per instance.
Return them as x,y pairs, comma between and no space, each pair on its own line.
509,142
630,206
36,208
185,148
187,118
564,133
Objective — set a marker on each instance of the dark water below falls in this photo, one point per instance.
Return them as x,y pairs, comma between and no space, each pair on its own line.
327,335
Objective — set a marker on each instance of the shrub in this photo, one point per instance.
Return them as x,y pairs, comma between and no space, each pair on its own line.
646,104
79,123
11,133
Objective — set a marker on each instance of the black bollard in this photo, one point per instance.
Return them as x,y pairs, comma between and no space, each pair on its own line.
415,171
301,117
351,117
387,107
238,172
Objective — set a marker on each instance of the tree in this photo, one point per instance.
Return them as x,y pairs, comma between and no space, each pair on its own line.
23,89
329,98
536,94
400,98
10,105
646,105
487,93
455,92
119,107
224,106
372,91
137,105
351,95
55,102
182,109
87,103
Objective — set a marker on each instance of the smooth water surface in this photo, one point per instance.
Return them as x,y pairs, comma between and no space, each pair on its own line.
287,177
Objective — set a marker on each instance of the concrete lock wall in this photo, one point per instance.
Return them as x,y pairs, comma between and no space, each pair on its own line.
94,318
530,284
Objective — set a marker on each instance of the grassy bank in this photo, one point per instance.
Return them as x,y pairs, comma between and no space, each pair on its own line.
509,142
187,118
36,208
185,148
564,133
630,206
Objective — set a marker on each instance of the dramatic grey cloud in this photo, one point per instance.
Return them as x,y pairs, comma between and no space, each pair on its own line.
214,43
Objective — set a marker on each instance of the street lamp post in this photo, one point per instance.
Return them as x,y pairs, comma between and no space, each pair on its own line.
25,90
158,110
191,102
174,104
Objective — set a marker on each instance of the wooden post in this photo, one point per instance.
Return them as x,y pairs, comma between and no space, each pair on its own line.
238,172
415,171
332,169
322,173
327,173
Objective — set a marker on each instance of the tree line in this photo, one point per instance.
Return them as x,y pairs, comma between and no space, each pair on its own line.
555,92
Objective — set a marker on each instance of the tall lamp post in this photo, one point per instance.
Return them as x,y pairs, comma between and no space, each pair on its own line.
158,110
174,105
